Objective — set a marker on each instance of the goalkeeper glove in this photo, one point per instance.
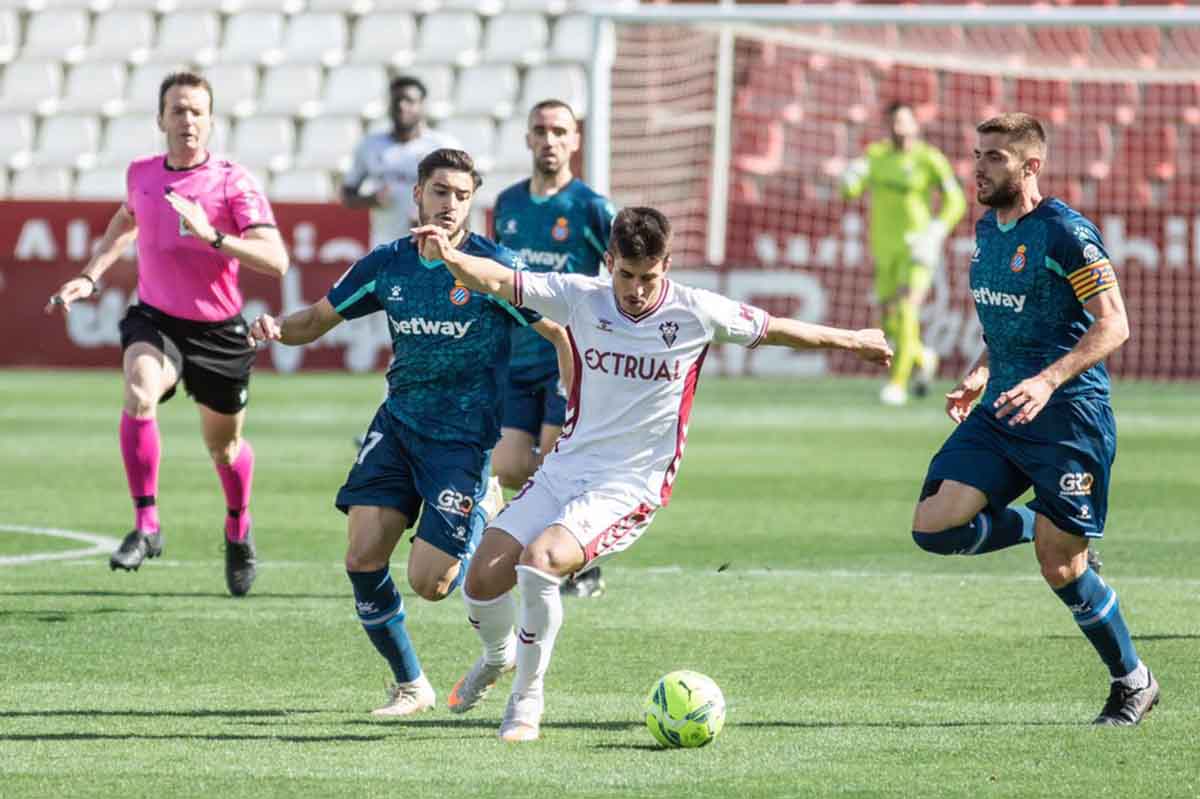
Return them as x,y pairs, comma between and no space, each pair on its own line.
925,247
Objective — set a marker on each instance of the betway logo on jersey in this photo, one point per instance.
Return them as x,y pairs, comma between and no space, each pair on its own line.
985,296
555,260
635,367
420,326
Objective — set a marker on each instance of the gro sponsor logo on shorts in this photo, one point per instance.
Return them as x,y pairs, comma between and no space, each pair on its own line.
1075,484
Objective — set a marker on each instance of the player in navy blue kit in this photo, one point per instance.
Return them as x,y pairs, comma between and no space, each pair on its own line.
555,223
430,442
1051,311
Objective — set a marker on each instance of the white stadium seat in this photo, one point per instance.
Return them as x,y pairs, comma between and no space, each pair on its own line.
302,186
253,37
551,7
10,34
559,81
31,86
139,5
187,36
388,38
291,89
84,5
41,183
127,138
511,152
264,142
316,39
356,89
439,82
411,6
353,7
235,87
124,35
487,89
449,37
16,140
329,142
273,6
141,91
95,88
476,135
68,140
59,35
520,38
484,7
572,40
103,183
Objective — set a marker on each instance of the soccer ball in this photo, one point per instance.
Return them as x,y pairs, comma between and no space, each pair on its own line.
686,709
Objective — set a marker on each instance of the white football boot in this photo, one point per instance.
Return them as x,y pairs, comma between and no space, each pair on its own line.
407,698
471,689
522,719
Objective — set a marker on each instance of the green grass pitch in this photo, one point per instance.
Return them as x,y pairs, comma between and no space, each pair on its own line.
853,664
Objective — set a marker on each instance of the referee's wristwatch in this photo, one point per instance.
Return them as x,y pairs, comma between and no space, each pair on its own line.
216,243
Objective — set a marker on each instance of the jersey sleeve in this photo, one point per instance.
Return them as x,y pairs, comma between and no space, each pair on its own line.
733,322
522,316
353,294
1082,260
954,203
247,202
600,225
357,172
549,293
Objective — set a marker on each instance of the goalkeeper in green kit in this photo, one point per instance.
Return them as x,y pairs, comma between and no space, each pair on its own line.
902,173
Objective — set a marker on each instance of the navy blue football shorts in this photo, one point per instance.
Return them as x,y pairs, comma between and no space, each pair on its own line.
1065,454
399,468
533,402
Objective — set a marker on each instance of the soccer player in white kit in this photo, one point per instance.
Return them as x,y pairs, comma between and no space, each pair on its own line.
638,346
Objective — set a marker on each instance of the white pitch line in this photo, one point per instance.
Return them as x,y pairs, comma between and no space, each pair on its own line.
100,544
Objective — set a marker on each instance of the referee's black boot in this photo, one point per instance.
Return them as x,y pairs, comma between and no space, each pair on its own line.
241,564
136,547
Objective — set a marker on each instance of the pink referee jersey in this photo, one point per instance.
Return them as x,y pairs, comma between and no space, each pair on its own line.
178,273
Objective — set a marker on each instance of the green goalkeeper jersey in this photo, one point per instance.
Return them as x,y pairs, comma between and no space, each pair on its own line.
901,183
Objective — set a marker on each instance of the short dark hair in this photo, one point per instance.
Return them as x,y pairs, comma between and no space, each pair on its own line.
183,79
553,103
896,105
401,82
448,158
1022,129
640,233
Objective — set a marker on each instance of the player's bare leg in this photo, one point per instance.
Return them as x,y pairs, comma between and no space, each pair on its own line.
233,458
513,459
148,375
492,611
953,518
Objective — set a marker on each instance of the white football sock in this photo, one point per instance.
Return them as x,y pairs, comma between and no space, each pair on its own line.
541,618
493,619
1138,678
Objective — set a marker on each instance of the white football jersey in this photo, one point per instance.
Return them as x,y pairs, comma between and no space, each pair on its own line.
635,377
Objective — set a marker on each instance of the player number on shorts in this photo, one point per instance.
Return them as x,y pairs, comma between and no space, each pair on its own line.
368,445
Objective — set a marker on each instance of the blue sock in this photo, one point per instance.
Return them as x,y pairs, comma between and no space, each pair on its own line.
381,611
989,531
1097,612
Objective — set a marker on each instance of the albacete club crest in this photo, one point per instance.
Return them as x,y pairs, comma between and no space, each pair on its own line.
670,331
1018,260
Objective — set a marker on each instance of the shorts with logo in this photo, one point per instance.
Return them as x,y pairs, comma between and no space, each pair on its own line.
1066,454
214,359
402,469
534,401
605,520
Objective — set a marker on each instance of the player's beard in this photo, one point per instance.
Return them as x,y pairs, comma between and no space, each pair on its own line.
431,219
547,166
1004,195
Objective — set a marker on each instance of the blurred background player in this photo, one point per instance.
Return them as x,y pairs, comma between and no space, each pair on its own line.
902,172
555,223
430,442
196,220
1051,312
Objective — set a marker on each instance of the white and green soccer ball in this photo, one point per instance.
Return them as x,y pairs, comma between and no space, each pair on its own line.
685,709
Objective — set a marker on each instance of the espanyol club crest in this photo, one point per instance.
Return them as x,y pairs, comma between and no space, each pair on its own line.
1018,260
460,294
560,231
669,331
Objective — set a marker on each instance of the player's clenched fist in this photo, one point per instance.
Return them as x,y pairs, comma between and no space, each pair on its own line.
265,328
873,347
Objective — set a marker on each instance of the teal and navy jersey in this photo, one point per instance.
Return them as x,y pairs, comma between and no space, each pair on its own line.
1030,280
450,346
565,232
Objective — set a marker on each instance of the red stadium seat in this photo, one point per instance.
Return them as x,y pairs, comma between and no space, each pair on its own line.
1172,102
758,143
956,140
936,39
1182,47
971,98
839,89
1062,45
1007,45
1048,100
1067,189
1133,47
1149,152
814,150
1124,193
1079,150
1112,103
913,85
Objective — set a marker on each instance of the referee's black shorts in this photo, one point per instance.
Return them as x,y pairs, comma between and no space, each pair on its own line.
214,359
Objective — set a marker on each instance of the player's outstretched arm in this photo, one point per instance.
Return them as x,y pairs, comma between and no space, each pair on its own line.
302,327
556,334
868,344
120,233
477,274
960,398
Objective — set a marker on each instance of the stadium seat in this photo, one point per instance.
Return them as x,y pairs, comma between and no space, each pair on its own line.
302,186
1080,150
122,36
1149,151
916,86
439,82
68,140
16,140
188,36
253,37
1048,100
1124,192
932,39
10,34
292,90
1004,46
4,183
235,87
814,151
838,90
476,135
328,142
572,38
141,90
1182,47
565,82
351,7
956,140
95,88
31,86
971,97
883,37
549,7
129,137
356,89
1127,47
758,146
511,153
411,6
220,138
261,6
387,38
484,8
316,38
41,183
59,35
487,89
449,37
102,183
1111,102
264,142
1172,102
1061,45
520,38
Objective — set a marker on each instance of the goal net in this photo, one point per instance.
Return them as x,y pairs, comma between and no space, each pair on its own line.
738,122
